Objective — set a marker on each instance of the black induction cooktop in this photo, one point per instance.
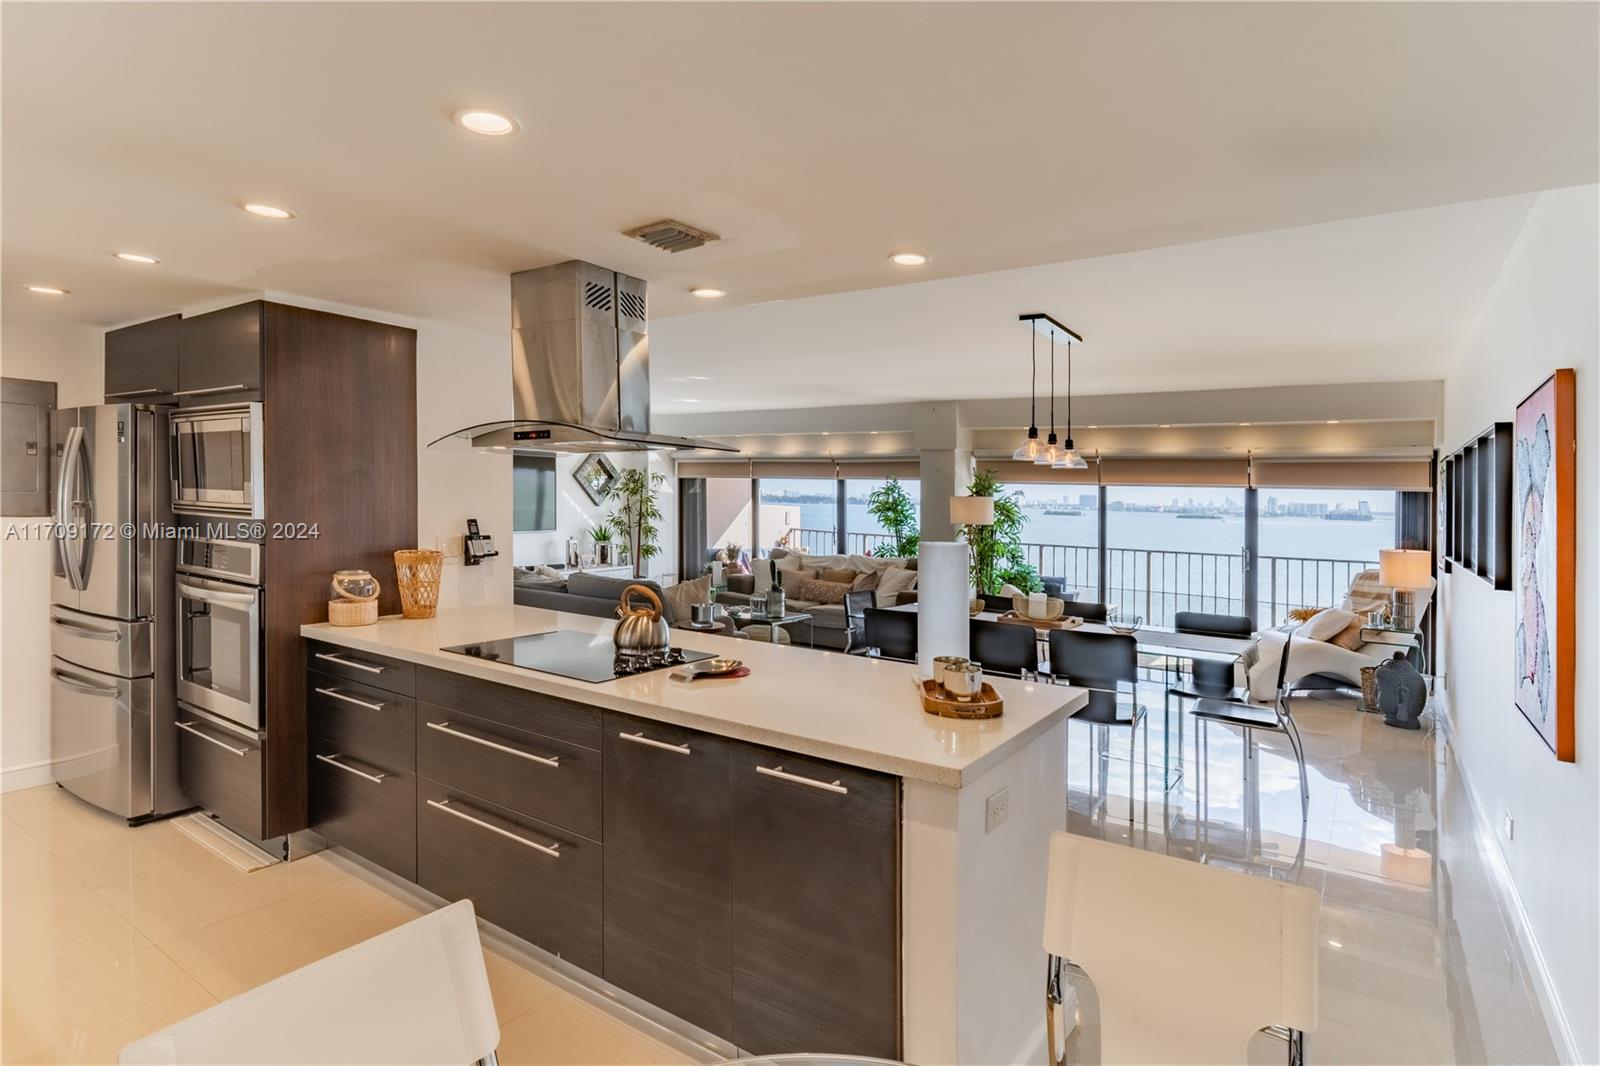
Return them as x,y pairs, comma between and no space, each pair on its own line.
568,653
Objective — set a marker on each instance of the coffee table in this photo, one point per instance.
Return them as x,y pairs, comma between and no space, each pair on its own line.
743,617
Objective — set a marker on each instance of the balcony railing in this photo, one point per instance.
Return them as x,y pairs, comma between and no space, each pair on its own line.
1157,583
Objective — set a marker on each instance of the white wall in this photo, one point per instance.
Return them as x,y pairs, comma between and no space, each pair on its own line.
73,357
1541,315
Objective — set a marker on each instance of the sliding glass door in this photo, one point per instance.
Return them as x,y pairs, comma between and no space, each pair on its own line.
1172,548
799,514
1314,541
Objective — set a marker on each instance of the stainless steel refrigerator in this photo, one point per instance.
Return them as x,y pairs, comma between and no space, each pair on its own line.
112,700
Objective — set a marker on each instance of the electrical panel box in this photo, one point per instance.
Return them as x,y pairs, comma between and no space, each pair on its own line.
25,408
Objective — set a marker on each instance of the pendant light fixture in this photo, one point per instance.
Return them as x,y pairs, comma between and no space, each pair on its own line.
1028,450
1052,453
1068,458
1047,457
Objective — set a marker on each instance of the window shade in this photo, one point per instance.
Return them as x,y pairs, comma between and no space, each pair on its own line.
905,469
1402,475
1012,472
1223,472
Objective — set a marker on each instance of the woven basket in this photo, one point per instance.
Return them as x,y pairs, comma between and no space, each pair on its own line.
352,612
417,572
1369,688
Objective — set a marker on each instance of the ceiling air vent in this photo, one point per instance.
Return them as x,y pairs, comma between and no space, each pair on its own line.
671,235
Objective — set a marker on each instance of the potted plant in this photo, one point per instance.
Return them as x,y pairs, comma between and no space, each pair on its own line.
997,555
602,535
896,512
634,494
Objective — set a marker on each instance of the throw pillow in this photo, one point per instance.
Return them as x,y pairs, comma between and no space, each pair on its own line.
1325,625
893,583
676,600
1349,638
865,582
842,577
1010,591
812,590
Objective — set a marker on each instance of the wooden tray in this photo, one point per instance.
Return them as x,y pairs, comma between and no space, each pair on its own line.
935,700
1015,619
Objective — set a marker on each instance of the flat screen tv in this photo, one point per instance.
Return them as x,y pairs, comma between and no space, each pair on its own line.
533,495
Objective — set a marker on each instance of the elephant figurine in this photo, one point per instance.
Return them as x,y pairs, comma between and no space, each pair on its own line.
1402,694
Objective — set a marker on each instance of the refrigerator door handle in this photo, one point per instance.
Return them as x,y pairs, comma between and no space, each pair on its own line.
78,629
108,691
67,504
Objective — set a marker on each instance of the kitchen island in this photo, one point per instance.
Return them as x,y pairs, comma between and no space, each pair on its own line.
798,860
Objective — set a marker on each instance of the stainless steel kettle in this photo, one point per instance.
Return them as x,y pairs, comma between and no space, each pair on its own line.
641,630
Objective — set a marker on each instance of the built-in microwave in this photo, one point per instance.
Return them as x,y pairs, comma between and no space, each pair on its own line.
217,460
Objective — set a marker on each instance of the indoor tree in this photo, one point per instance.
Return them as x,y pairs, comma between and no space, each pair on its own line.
634,494
997,555
896,512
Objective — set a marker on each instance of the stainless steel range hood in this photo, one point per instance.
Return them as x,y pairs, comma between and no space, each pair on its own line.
580,368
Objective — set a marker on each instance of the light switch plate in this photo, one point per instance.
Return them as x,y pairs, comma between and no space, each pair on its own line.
996,809
453,547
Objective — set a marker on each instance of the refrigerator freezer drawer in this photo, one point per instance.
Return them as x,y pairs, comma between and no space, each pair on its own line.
102,644
100,737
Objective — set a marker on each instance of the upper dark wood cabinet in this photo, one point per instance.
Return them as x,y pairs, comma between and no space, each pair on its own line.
219,356
142,362
816,913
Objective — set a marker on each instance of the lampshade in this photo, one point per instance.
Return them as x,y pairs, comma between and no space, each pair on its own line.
972,510
1404,568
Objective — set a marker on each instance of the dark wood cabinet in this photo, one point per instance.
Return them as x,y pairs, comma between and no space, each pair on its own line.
518,708
377,671
816,922
219,356
142,362
362,718
533,879
668,883
219,768
368,806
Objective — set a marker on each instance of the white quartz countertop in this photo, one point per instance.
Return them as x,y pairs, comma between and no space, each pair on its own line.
852,709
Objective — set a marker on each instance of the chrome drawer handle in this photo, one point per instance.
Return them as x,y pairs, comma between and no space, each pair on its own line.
640,738
781,774
333,760
552,850
212,389
350,663
208,738
336,694
544,760
133,392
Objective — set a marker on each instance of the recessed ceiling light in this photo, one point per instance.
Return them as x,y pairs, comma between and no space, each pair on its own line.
1335,944
1091,427
488,123
135,257
47,290
1332,422
1165,425
695,377
268,211
706,293
1247,423
908,259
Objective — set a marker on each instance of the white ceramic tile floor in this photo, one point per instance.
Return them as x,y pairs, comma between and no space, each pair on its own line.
1417,964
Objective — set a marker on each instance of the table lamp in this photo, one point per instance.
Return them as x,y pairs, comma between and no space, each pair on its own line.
1404,570
972,510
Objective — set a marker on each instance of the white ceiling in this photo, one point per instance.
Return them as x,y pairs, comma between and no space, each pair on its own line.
1388,298
816,139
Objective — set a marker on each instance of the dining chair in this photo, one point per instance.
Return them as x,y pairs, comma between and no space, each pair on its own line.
1107,664
1086,610
855,620
1210,674
1184,962
1236,709
1004,648
416,994
891,634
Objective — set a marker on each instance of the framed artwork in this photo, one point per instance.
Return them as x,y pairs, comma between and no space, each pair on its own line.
1545,498
596,474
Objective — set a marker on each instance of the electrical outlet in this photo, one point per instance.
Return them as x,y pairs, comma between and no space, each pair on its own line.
452,547
1510,827
996,809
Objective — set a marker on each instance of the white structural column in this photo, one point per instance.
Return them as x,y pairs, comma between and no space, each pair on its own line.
943,593
973,906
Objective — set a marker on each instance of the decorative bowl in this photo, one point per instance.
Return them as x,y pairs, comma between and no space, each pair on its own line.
976,606
1125,624
1053,608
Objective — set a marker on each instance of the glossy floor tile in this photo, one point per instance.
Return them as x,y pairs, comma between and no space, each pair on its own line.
108,933
1417,962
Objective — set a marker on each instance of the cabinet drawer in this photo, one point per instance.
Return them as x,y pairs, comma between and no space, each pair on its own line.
362,667
362,720
531,879
668,905
816,922
366,806
219,767
512,706
543,778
